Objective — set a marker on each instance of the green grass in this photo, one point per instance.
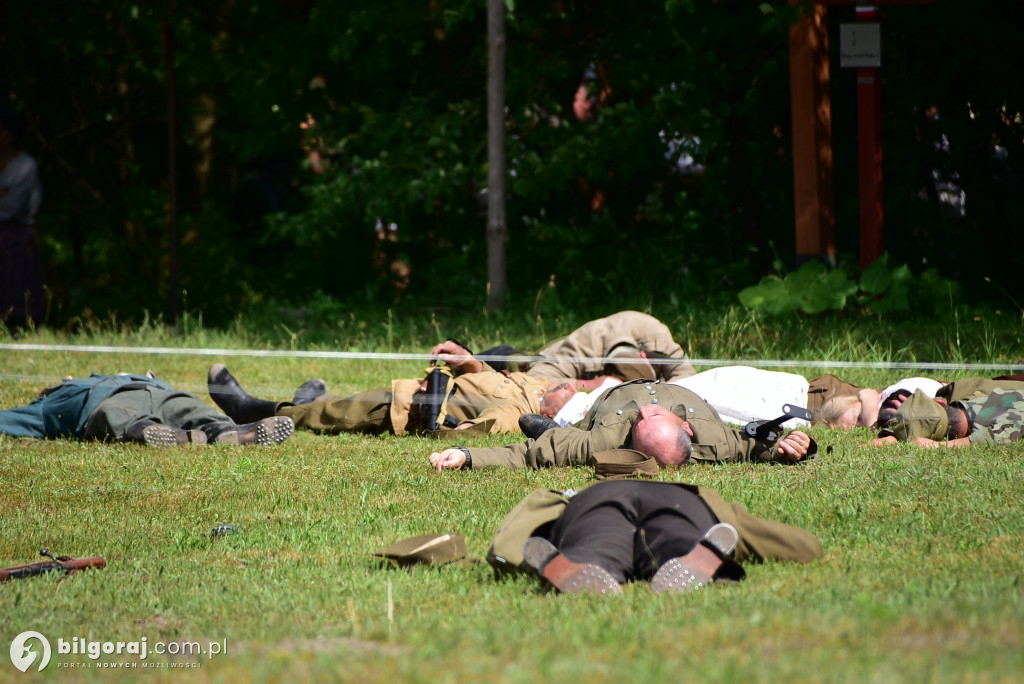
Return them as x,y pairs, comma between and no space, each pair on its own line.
921,580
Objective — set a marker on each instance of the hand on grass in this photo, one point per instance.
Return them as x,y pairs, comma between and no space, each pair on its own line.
793,447
449,458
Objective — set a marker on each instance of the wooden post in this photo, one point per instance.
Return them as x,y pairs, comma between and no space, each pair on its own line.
812,137
167,33
496,227
869,155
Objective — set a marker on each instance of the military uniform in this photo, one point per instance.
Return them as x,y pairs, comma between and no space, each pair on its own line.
581,354
972,388
825,387
607,426
491,401
671,515
995,417
103,407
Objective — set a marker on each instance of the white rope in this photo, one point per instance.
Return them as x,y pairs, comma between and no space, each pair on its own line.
400,356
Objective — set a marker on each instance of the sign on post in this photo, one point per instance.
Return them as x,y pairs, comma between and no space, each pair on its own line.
860,45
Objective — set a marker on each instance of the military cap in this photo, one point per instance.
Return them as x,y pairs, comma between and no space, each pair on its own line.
431,549
919,416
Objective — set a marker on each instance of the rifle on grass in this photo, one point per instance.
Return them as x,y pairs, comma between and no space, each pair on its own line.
65,564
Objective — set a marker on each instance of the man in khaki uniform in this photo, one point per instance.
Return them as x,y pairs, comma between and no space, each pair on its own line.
639,345
663,421
678,536
484,400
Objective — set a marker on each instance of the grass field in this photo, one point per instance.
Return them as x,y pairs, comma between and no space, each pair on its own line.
921,580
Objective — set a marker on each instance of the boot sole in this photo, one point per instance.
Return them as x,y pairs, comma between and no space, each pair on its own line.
267,432
565,575
687,573
165,436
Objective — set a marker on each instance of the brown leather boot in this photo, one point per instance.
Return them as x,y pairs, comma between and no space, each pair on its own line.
564,574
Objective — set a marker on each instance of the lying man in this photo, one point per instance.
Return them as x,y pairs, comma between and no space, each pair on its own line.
477,397
133,408
678,536
964,413
629,340
665,422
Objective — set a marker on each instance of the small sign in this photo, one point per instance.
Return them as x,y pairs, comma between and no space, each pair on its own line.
860,45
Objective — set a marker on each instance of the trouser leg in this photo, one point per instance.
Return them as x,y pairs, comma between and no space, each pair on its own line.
23,421
367,412
630,528
115,414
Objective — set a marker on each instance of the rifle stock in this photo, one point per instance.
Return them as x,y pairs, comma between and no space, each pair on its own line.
64,563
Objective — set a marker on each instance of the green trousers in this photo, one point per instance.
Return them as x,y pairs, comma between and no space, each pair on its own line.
368,412
182,410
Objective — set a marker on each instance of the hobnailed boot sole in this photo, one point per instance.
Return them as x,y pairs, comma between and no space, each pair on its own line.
687,573
565,575
164,436
266,432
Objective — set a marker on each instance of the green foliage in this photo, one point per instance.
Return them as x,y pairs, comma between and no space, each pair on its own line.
813,289
395,93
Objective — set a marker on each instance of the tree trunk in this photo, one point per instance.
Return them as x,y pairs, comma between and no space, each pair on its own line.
496,227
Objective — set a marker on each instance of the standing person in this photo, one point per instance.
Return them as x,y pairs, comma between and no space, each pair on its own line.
22,297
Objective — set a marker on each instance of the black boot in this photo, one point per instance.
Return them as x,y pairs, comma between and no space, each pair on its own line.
266,432
534,425
310,391
238,404
157,434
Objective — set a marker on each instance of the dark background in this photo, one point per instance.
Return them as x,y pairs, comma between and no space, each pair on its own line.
598,211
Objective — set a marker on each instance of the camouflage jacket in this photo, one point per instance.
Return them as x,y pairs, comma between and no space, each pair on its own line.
996,418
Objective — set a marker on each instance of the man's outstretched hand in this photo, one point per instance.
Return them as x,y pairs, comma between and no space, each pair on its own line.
793,447
449,458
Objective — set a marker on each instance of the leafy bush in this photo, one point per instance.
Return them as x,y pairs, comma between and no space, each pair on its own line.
814,288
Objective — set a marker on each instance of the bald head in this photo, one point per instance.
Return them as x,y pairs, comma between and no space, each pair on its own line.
662,435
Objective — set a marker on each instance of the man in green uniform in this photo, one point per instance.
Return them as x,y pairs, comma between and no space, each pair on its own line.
964,413
132,408
477,398
678,536
665,422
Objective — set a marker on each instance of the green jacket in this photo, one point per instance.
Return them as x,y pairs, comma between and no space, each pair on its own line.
607,426
973,388
760,539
